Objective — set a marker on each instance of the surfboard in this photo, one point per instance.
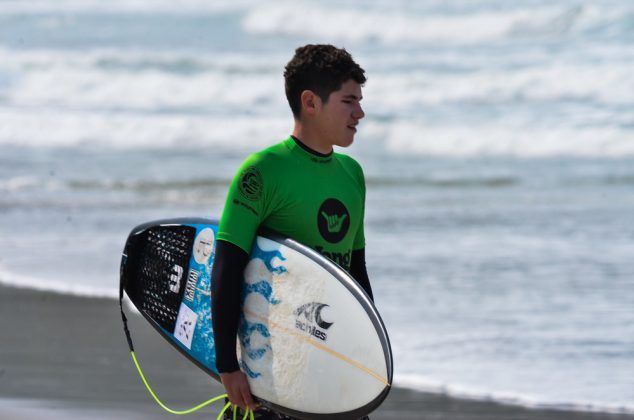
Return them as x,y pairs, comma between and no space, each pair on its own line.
310,340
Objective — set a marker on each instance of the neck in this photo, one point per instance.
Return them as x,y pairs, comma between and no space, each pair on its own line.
311,138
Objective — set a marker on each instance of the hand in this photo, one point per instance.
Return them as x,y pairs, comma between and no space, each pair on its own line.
238,390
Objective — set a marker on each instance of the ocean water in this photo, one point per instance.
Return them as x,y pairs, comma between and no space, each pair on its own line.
498,147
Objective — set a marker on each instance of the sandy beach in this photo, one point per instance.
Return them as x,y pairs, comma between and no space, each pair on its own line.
66,357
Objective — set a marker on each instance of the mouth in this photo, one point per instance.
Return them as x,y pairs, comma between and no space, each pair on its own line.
353,127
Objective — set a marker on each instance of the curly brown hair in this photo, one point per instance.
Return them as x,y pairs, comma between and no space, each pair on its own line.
321,68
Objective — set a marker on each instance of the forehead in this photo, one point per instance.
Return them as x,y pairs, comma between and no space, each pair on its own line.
350,89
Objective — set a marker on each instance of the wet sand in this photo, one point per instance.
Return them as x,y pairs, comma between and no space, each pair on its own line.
66,357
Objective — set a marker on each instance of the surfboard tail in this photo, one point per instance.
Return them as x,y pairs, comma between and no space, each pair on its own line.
155,260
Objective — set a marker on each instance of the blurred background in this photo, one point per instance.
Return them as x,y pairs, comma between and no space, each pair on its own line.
498,147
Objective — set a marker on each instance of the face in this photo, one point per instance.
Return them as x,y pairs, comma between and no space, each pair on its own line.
337,119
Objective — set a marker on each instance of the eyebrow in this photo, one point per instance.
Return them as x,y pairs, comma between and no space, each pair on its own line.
353,96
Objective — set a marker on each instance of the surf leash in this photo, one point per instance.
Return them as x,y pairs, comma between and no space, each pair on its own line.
248,412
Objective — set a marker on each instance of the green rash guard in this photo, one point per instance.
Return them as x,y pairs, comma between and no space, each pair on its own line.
317,200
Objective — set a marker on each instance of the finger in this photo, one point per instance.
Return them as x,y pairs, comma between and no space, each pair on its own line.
247,397
235,397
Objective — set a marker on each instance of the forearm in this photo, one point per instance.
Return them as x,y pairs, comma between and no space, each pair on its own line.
359,271
226,287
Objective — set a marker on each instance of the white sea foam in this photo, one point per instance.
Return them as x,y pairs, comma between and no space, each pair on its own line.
607,83
419,382
114,81
391,25
145,99
501,140
20,183
115,59
386,22
64,129
74,289
120,6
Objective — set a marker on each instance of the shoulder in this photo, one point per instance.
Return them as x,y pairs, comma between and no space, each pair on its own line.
260,172
348,161
350,164
265,160
269,156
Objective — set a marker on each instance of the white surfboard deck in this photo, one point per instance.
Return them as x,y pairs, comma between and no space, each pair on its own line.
310,340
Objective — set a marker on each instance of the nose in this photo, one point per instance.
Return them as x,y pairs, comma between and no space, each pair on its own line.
358,113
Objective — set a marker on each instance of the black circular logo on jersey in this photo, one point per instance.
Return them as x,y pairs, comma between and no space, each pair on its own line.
250,183
333,220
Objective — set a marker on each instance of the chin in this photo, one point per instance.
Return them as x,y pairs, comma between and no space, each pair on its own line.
345,142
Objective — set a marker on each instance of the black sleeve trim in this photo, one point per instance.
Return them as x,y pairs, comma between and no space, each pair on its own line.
359,271
226,287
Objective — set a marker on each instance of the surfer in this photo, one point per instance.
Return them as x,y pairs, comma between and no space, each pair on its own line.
300,188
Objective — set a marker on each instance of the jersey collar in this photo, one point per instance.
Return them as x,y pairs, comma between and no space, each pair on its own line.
295,145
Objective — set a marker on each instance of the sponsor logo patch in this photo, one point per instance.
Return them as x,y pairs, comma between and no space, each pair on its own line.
190,288
185,325
176,274
309,318
333,220
250,184
204,245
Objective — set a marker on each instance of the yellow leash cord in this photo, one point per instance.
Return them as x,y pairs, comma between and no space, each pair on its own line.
193,409
248,413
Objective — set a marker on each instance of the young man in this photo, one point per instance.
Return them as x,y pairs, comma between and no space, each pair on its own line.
300,188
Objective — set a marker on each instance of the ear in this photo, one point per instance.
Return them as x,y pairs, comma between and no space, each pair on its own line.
310,101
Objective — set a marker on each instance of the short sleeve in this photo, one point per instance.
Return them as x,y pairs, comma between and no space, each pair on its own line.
245,207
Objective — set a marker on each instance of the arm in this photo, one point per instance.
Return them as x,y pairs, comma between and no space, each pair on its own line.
229,263
245,208
358,268
359,271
